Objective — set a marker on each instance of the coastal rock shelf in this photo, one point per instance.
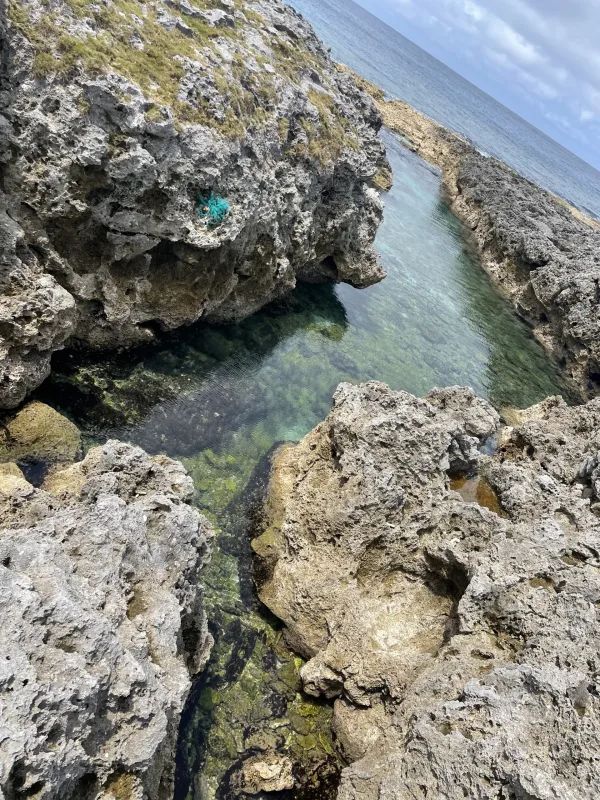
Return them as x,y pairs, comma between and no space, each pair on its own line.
459,639
117,118
102,625
542,254
220,398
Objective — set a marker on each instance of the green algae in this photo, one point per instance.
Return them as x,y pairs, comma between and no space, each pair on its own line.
221,398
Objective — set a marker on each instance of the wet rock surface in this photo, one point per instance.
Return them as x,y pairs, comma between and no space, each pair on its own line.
101,240
460,644
541,253
102,625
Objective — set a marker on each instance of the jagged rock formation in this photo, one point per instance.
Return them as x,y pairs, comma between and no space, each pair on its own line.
460,645
102,626
543,255
116,118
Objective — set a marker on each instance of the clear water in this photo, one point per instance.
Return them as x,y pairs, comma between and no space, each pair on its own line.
407,72
220,398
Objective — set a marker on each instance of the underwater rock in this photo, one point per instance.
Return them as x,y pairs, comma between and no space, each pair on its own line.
541,253
39,433
102,626
461,643
265,773
116,118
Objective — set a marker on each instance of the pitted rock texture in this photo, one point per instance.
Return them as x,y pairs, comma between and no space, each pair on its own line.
461,645
542,254
102,626
117,117
38,433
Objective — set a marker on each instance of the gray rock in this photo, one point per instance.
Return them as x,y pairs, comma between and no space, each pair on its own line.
216,18
461,644
102,626
101,243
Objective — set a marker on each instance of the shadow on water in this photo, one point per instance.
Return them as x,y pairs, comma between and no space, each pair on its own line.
199,384
220,398
248,699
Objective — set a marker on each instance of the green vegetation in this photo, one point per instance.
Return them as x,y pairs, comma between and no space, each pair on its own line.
370,88
330,136
157,65
128,39
44,64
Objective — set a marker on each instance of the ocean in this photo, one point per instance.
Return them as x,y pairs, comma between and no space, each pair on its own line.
406,72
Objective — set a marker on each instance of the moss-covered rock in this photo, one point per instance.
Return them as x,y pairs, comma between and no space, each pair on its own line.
39,433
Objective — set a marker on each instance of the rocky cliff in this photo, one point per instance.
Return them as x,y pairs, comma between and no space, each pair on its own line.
542,254
119,120
457,631
102,625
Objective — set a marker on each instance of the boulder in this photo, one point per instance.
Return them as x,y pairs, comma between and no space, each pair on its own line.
115,121
102,626
39,433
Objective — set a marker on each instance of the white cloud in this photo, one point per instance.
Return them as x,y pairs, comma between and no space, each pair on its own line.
473,10
528,81
512,43
547,49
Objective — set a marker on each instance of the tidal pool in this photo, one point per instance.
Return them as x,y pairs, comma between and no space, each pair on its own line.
219,399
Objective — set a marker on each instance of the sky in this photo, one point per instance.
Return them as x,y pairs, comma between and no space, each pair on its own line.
541,58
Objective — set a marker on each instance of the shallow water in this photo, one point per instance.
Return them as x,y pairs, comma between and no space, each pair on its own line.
220,398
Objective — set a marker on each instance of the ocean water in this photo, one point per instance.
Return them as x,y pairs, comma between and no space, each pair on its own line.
406,72
219,399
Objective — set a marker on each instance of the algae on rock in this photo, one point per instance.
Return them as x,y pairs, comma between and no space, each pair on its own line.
38,433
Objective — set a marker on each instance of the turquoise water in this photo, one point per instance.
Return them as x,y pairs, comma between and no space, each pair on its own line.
405,71
220,398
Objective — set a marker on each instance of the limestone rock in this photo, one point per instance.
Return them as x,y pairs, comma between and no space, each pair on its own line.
464,641
9,468
115,121
39,433
102,627
266,773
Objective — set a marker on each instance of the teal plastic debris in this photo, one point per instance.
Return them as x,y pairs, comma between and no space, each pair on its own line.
213,209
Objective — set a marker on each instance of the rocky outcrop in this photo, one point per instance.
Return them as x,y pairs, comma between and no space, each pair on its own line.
460,644
542,254
102,626
117,119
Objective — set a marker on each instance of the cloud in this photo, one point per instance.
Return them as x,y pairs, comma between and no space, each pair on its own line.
511,43
546,49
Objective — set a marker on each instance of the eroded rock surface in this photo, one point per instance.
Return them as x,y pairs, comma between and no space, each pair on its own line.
461,645
102,626
39,433
117,118
542,254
